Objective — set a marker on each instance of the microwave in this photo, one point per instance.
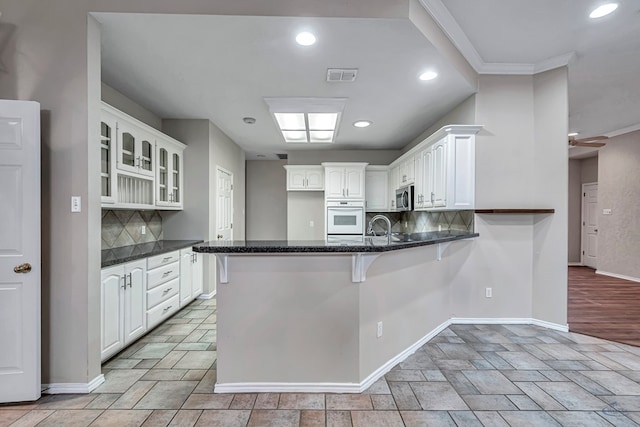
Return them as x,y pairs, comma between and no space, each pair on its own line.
404,198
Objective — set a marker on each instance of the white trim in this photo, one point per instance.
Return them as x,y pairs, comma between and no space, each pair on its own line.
575,264
457,36
508,321
207,296
583,226
618,276
73,388
622,131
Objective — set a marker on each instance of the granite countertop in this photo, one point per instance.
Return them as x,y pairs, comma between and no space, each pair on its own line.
143,250
371,244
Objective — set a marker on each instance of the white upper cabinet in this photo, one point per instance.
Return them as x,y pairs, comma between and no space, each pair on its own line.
407,171
377,189
344,181
130,164
445,171
305,178
394,180
170,173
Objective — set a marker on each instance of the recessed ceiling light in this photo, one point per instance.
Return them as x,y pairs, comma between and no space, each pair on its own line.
573,134
428,75
305,39
362,123
249,120
603,10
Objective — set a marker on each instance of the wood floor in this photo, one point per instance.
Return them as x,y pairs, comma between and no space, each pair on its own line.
604,307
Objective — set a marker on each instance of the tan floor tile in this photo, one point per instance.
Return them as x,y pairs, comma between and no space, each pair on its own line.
121,418
339,419
170,360
349,402
383,402
147,363
164,374
167,395
267,401
376,419
66,401
196,360
71,418
132,396
274,417
243,401
7,416
301,401
160,418
194,375
208,401
224,418
207,383
32,418
185,418
312,418
119,380
103,401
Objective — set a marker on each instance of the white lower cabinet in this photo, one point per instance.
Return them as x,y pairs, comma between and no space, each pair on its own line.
191,276
163,287
138,295
122,311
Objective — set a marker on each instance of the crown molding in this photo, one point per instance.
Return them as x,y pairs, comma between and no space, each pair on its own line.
454,32
622,131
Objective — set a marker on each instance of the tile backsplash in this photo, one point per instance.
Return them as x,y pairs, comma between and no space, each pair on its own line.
124,228
419,221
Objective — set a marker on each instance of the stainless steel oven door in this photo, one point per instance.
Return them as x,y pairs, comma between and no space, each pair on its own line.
345,220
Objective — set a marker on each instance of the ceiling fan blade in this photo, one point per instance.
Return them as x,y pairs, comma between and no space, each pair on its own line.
588,144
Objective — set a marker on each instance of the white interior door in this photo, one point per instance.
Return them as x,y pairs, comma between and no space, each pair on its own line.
590,225
224,205
19,251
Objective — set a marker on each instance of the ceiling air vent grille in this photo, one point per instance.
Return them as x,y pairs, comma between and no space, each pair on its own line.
341,74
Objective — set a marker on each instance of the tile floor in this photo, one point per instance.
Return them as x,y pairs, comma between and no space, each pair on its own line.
469,375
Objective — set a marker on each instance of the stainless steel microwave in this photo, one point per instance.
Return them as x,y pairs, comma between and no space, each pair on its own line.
404,198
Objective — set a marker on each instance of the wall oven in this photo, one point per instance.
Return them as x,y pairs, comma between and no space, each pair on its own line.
345,221
404,198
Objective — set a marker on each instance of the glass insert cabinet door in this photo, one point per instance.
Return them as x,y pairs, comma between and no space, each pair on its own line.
107,147
135,150
163,175
175,192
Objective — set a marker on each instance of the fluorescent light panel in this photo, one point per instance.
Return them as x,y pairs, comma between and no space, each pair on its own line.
290,121
323,121
307,127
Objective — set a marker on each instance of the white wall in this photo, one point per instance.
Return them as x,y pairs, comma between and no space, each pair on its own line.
619,190
266,200
120,101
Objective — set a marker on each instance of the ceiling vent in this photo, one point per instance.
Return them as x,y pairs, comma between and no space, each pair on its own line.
335,75
282,156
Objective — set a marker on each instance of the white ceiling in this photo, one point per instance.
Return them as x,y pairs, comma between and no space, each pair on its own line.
221,67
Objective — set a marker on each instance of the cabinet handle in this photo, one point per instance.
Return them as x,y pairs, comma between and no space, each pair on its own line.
167,309
130,281
347,192
165,259
166,291
166,273
433,195
124,279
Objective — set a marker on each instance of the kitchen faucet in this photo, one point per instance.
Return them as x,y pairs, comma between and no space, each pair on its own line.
374,219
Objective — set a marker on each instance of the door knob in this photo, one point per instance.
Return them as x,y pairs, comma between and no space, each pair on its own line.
22,268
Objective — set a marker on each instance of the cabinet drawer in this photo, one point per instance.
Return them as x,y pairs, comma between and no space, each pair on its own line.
161,311
163,274
162,259
162,293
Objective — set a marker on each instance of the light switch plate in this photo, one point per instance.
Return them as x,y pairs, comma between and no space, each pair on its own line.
606,211
76,204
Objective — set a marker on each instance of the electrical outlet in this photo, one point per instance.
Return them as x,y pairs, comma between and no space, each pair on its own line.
312,224
143,230
76,204
606,211
488,292
379,332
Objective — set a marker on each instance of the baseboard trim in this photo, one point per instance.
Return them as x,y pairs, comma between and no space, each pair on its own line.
509,321
575,264
207,296
618,276
73,388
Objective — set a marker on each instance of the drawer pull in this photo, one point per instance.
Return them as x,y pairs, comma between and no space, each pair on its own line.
165,259
167,309
166,273
166,291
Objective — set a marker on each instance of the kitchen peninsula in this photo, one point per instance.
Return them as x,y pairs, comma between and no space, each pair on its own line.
312,316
